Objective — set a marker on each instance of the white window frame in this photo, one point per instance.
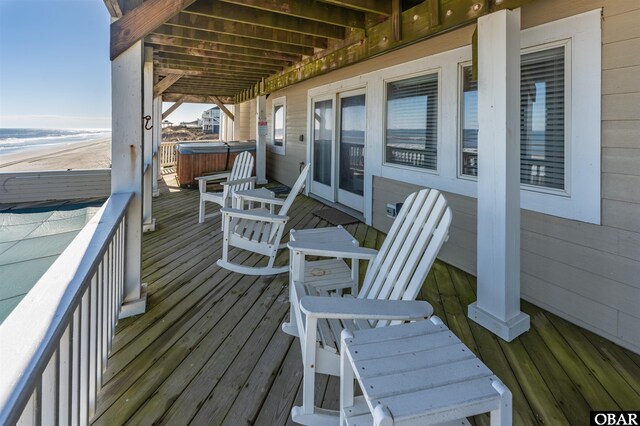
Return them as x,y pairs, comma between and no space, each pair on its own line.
280,150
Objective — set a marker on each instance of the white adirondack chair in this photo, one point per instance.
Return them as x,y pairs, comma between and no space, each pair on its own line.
258,230
239,179
394,277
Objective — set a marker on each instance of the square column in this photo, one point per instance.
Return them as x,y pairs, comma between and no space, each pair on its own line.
127,167
498,304
261,139
149,223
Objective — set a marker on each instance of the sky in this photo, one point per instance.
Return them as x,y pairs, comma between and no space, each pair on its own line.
55,71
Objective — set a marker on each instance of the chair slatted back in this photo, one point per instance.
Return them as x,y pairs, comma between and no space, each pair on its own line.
408,252
295,190
242,169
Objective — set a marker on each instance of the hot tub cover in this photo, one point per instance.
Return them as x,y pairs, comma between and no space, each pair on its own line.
214,147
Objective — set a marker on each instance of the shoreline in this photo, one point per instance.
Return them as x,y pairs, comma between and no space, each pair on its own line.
79,155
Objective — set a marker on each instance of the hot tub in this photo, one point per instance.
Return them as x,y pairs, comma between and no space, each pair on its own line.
195,159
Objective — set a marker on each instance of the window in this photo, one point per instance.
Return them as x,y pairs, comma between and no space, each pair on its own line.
469,123
278,128
542,112
412,122
542,119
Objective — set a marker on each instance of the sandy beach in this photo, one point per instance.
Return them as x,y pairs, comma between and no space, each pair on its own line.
88,155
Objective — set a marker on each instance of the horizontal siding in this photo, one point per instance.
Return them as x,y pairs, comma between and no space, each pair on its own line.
621,80
21,187
621,54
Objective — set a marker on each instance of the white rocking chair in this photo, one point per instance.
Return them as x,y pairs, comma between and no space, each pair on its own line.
258,230
394,277
238,180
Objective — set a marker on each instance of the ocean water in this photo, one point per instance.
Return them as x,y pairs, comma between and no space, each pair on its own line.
20,140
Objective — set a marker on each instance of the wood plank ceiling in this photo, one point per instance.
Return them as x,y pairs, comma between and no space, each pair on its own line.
237,49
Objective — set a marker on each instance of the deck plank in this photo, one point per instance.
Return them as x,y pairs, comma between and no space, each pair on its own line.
209,349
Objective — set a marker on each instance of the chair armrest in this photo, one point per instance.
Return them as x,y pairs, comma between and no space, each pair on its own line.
219,176
256,215
346,251
364,309
239,181
259,199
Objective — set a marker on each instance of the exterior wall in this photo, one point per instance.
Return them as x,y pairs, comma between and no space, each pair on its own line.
589,274
247,125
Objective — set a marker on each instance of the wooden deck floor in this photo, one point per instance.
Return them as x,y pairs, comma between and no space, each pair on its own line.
209,349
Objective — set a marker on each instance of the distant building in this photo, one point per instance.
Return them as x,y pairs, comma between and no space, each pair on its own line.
166,123
211,120
195,124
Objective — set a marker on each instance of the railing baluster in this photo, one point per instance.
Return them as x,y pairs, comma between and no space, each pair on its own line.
75,368
84,359
28,416
49,392
105,313
64,373
93,344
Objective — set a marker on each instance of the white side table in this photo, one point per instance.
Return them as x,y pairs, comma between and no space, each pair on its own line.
315,274
416,374
258,195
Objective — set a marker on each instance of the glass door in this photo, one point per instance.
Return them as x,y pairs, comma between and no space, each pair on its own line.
350,149
322,149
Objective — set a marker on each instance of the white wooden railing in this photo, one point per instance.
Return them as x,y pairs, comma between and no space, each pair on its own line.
167,154
54,345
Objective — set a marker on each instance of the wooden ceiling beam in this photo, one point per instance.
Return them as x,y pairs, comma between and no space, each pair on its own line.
244,52
231,58
196,99
139,22
196,60
231,40
165,83
221,80
216,100
186,65
251,16
113,7
191,73
172,108
222,93
379,7
243,29
315,11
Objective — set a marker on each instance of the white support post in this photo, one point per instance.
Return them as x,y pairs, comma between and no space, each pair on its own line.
498,304
226,124
235,132
157,140
261,139
148,221
127,167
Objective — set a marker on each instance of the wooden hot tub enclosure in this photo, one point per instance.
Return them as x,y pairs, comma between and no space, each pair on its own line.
195,159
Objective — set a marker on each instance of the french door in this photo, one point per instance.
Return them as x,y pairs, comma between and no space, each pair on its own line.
337,148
